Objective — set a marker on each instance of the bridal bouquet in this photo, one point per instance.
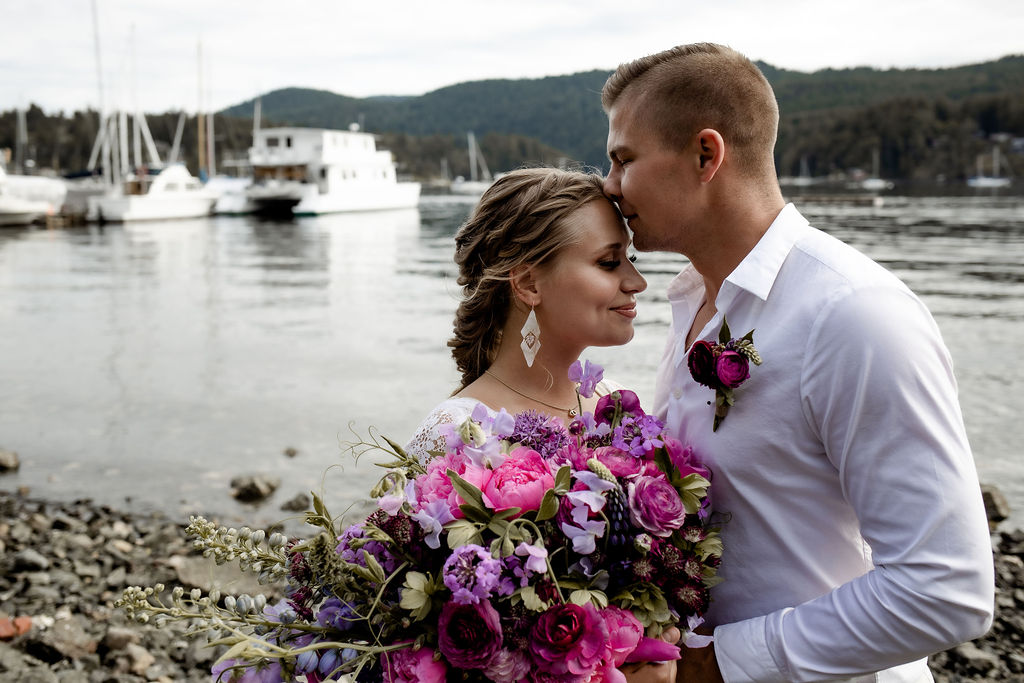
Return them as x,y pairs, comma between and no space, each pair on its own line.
526,551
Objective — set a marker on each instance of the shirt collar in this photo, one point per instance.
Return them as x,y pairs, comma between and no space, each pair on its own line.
757,271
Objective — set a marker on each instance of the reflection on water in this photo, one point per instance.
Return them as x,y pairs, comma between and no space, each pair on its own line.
157,361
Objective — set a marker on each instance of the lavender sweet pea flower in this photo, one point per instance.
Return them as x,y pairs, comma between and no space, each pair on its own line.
586,532
432,519
536,557
587,376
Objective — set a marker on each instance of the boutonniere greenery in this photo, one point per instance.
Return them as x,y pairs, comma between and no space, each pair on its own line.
723,366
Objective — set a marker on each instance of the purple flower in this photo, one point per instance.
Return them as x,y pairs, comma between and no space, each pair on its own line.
586,376
540,432
471,574
469,635
626,401
259,672
351,545
732,369
569,639
655,505
336,614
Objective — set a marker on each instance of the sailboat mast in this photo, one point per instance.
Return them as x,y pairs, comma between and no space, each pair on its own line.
471,140
199,115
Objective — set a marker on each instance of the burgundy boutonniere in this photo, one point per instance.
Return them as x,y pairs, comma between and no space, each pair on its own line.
723,366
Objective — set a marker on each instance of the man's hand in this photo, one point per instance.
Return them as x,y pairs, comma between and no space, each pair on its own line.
699,664
654,672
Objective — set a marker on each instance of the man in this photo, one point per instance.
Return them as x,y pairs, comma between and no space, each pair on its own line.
854,532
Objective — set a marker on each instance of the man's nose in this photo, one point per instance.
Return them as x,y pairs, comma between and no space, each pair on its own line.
612,190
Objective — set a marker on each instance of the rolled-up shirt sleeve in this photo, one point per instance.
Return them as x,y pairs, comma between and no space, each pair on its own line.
877,386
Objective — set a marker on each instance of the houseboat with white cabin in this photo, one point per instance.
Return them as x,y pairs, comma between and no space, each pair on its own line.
310,171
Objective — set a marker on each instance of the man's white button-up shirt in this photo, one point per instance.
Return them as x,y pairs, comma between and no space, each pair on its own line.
854,531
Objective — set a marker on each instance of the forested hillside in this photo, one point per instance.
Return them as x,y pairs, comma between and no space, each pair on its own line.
922,124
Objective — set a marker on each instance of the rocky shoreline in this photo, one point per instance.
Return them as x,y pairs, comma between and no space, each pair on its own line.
63,565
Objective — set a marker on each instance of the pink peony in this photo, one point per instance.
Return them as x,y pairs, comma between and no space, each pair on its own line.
732,368
413,666
655,505
624,633
521,481
568,641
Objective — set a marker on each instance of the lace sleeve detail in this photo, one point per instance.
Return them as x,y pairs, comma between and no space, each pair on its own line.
426,443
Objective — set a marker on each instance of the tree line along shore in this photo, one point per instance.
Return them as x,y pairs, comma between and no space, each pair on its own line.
906,125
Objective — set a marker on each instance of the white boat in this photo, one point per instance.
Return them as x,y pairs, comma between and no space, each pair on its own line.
25,199
231,193
479,175
311,171
989,181
875,183
171,192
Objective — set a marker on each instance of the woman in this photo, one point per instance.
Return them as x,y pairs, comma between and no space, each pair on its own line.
544,266
545,273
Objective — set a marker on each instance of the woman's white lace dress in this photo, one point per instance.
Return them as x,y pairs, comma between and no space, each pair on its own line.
426,442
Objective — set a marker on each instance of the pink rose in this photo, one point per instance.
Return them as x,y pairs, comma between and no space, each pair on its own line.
521,481
568,640
655,505
413,666
733,369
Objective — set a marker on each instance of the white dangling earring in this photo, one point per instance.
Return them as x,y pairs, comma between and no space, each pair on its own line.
531,338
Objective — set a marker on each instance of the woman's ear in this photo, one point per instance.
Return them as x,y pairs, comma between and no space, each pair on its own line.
710,153
523,281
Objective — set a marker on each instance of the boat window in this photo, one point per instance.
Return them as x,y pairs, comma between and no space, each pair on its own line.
323,173
272,142
171,187
288,141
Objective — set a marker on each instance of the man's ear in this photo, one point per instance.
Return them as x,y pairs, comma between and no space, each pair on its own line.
523,281
710,153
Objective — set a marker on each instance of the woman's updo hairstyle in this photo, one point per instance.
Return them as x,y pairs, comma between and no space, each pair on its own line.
519,221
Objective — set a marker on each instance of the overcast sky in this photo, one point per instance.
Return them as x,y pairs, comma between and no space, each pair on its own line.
409,47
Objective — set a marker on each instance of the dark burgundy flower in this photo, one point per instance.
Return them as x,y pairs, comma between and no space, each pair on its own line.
701,362
469,635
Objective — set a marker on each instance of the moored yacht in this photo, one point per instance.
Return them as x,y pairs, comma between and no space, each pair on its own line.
309,171
172,192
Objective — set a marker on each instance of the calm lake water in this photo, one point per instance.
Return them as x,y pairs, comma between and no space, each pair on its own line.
144,366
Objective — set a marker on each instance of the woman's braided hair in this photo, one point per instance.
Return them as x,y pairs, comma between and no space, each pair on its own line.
519,221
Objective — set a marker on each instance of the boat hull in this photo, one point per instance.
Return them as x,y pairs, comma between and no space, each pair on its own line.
306,199
150,208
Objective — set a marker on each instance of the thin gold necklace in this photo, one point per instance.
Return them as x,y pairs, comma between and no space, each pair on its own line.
571,412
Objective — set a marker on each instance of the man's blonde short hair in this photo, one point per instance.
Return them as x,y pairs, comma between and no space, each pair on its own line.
683,90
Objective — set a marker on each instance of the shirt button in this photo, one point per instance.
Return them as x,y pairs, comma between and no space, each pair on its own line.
678,393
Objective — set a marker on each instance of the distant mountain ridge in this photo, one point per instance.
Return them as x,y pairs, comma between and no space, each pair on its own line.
564,112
